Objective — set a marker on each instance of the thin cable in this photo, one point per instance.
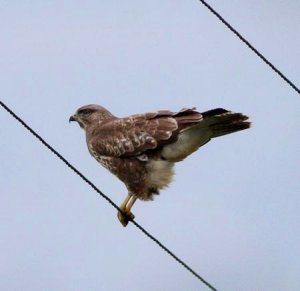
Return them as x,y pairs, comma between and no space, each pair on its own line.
261,56
104,196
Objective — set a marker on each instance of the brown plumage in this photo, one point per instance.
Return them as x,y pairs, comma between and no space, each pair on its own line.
141,149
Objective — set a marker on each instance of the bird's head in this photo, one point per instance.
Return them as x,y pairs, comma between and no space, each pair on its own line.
90,114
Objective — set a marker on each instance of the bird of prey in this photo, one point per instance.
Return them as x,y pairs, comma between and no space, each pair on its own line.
142,149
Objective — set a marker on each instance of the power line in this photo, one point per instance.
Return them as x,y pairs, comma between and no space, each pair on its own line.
260,55
47,145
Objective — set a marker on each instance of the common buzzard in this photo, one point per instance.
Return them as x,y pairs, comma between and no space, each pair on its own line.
141,149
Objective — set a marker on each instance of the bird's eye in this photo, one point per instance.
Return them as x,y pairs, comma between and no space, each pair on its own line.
85,111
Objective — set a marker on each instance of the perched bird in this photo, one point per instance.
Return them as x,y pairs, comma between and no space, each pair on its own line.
142,149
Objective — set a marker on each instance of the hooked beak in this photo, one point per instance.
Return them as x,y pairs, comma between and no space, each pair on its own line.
73,118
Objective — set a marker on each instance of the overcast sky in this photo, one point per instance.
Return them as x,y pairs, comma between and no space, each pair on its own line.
232,212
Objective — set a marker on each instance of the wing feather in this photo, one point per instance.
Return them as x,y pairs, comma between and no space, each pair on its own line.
134,135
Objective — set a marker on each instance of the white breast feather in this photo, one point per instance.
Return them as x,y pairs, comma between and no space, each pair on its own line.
160,173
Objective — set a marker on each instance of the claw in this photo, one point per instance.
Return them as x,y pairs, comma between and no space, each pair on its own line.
124,217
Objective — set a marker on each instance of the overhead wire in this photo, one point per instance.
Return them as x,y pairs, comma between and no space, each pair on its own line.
69,165
244,40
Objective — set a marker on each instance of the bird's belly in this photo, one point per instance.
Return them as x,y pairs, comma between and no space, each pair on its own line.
130,171
188,142
142,179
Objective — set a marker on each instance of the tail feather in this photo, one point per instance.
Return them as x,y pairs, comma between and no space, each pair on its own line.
211,124
225,123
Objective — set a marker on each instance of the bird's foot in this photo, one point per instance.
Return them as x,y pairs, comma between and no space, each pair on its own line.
125,216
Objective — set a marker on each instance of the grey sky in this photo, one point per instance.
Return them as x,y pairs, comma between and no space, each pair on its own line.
232,212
